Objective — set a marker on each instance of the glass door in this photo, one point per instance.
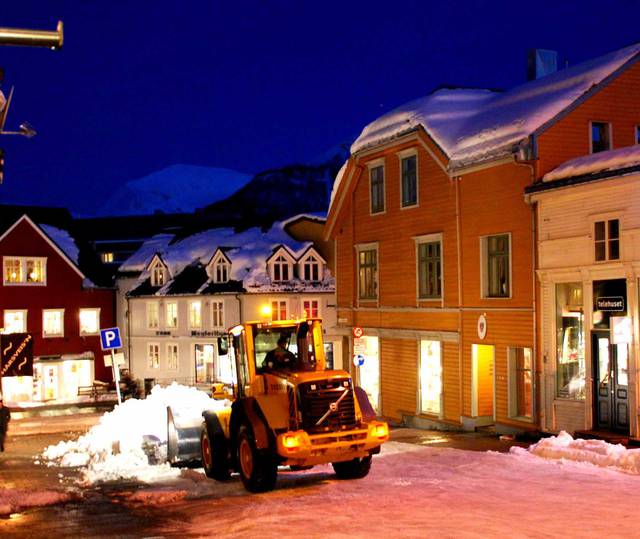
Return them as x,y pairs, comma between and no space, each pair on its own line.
611,379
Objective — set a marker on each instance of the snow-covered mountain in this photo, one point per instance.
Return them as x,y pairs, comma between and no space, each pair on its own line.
175,189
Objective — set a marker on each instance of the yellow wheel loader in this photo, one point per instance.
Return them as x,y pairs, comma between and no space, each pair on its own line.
287,410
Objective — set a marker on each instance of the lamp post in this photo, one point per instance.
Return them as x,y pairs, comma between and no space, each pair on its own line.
33,38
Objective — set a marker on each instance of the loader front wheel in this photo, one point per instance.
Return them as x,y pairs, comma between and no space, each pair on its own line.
352,469
214,459
257,471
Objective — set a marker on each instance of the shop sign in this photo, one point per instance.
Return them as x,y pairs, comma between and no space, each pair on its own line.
621,330
610,303
16,354
117,357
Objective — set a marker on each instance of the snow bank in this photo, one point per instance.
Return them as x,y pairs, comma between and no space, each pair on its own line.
115,447
13,500
596,452
597,162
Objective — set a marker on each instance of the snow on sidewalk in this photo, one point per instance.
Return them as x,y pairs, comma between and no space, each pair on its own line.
14,500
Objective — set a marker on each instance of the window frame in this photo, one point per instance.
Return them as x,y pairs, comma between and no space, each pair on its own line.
371,165
367,247
484,269
23,260
167,325
407,154
219,315
191,304
306,261
280,301
606,219
171,366
311,300
287,260
84,333
158,269
423,240
46,335
609,135
150,361
25,315
155,304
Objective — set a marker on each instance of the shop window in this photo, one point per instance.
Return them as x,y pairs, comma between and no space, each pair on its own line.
607,240
376,180
409,171
430,377
89,321
430,269
520,383
171,312
217,314
153,355
368,274
311,308
53,323
153,315
195,314
25,271
172,357
15,321
570,339
279,309
496,269
600,137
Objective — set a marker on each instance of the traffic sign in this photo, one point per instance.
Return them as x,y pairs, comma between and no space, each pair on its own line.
110,339
358,360
358,332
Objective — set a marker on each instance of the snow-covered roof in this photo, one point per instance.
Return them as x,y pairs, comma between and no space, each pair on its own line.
598,162
63,240
476,125
138,261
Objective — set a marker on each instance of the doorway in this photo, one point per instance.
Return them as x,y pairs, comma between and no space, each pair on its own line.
369,370
611,383
482,383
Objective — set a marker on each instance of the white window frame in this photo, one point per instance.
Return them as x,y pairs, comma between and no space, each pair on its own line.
610,133
155,322
168,324
420,240
24,313
310,300
46,335
404,154
220,315
368,247
606,217
170,348
273,312
158,269
191,324
305,261
23,268
371,165
484,267
512,389
153,359
281,262
220,261
87,333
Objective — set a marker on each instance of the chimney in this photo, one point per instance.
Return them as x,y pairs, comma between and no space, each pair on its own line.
541,62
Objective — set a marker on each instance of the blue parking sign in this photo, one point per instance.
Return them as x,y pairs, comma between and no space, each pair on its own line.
110,338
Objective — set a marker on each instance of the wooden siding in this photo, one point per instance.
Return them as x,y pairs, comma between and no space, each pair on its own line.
398,377
418,320
451,382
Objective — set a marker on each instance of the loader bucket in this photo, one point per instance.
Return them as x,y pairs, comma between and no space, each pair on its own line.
183,438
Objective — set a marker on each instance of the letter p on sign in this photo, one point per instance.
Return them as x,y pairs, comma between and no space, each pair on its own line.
110,339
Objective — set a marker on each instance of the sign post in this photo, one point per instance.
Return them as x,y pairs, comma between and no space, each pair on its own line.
110,340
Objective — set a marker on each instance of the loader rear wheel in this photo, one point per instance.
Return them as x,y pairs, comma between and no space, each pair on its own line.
352,469
214,460
257,471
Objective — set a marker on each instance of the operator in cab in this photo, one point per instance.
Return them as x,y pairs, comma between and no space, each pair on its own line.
280,357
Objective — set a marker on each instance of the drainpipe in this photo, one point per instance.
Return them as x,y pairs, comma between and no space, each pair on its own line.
457,180
128,315
239,308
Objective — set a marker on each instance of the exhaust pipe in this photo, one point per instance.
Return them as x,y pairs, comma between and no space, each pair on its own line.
32,38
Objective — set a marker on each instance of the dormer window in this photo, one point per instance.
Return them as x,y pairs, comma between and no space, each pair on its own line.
158,277
221,273
281,269
311,269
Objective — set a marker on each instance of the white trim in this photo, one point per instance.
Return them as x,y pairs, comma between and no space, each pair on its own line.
512,387
51,243
148,305
57,335
429,238
484,270
166,324
377,163
606,217
190,303
311,299
87,334
177,348
222,313
320,261
287,306
25,313
281,250
149,363
404,154
610,130
360,247
216,259
23,268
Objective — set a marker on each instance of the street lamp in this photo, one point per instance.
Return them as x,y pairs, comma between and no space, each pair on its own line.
32,38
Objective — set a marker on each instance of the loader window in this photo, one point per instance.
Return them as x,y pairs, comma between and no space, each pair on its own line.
297,340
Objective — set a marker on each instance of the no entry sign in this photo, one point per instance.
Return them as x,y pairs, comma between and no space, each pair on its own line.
358,332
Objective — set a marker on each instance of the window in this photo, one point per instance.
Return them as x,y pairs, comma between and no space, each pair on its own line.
171,312
221,271
53,323
311,308
637,134
195,314
496,271
21,270
311,269
153,315
368,274
376,176
279,310
600,137
607,240
430,270
409,171
107,257
172,357
281,269
158,277
217,314
15,321
89,321
430,377
570,360
153,355
520,383
204,363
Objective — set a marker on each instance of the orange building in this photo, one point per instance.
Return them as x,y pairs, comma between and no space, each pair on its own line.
436,244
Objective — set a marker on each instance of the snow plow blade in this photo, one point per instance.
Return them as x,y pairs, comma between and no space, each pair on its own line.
183,438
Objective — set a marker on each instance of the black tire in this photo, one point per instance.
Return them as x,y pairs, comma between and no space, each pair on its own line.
214,460
352,469
258,472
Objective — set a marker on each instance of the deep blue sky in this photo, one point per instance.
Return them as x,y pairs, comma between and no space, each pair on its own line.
248,85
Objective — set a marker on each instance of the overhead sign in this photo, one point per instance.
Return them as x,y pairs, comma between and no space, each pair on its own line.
610,303
358,332
110,339
16,354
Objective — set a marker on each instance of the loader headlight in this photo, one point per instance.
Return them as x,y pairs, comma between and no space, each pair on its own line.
379,430
291,442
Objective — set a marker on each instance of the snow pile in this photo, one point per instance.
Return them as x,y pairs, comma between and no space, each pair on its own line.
597,162
115,447
596,452
13,500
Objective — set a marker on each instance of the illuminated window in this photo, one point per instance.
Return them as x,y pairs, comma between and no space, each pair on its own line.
195,314
430,377
311,308
281,269
158,274
311,269
600,137
89,321
172,357
368,274
21,270
107,257
279,309
376,181
53,323
153,355
171,311
409,171
15,321
570,342
153,315
607,240
217,314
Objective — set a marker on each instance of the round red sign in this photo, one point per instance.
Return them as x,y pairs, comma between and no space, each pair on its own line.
358,332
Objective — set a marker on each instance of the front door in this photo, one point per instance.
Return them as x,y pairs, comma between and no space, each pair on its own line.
611,380
482,383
